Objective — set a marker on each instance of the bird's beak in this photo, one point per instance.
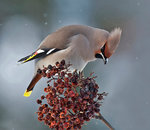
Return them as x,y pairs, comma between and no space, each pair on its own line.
104,59
101,56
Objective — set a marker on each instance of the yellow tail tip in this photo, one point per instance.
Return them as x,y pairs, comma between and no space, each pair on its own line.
27,94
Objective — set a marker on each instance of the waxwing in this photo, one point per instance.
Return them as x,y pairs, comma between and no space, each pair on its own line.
76,44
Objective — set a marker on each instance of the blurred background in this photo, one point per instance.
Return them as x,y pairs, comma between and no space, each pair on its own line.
126,77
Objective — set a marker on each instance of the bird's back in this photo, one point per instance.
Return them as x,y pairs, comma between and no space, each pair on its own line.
61,37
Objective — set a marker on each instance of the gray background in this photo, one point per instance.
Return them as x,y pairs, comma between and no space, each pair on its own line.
24,24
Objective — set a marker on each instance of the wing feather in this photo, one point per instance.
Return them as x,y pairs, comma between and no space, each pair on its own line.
39,54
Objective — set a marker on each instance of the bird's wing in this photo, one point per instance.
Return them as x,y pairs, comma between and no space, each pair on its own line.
54,42
39,53
46,49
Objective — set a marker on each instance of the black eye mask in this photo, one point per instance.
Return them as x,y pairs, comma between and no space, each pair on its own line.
99,55
102,50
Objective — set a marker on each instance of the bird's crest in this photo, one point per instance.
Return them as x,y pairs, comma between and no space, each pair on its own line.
112,42
114,39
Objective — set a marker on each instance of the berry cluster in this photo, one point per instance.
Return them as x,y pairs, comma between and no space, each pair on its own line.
71,99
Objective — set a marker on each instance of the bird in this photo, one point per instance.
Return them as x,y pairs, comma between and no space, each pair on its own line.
77,45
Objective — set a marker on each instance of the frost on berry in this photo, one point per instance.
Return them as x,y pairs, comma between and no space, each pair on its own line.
71,99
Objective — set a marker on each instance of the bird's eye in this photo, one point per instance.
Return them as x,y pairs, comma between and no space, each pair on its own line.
102,54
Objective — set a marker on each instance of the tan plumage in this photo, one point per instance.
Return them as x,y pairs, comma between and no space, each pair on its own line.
76,44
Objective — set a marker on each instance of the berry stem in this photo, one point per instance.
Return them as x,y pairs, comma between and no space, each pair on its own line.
70,112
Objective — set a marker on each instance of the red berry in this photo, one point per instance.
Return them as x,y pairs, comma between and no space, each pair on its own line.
42,97
39,101
71,99
62,62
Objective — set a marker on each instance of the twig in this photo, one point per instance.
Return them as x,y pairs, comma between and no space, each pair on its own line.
70,112
52,78
100,117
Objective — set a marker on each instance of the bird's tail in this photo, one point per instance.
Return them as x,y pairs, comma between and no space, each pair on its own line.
35,79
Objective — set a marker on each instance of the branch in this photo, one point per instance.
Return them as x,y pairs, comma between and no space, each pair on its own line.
100,117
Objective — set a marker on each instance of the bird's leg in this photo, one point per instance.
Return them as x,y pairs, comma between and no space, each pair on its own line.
81,74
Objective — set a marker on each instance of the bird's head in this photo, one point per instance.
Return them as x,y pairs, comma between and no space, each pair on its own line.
108,45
